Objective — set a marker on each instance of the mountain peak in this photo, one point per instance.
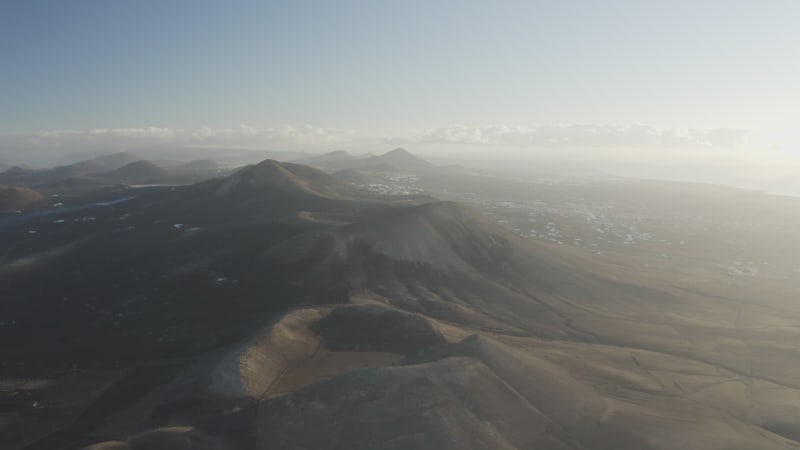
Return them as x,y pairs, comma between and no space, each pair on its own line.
138,169
288,178
16,170
336,155
405,160
115,160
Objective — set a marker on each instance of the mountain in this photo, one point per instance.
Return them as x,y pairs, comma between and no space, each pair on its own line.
229,156
18,170
17,175
74,170
397,160
135,172
280,308
99,164
265,191
113,160
114,169
403,160
18,198
336,155
116,160
270,176
29,177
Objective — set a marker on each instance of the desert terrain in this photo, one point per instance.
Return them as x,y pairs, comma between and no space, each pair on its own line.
387,302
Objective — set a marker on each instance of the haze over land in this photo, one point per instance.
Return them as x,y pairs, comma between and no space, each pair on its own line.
447,225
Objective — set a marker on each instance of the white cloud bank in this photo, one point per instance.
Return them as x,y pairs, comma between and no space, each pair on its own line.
288,137
241,136
570,142
584,136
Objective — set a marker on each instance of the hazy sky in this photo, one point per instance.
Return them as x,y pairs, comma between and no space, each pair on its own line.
329,74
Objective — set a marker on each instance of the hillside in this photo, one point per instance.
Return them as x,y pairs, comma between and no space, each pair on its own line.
137,171
284,186
116,160
81,169
18,198
404,160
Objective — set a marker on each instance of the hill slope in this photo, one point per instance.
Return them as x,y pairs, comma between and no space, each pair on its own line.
403,160
18,198
137,171
268,190
97,165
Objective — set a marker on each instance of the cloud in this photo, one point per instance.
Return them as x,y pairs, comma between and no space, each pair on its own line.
123,138
132,133
287,137
577,136
42,146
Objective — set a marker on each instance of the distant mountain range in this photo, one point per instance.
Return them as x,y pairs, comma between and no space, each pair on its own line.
104,163
397,160
113,169
136,171
127,168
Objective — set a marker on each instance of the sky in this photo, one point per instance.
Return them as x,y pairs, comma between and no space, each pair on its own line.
634,77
